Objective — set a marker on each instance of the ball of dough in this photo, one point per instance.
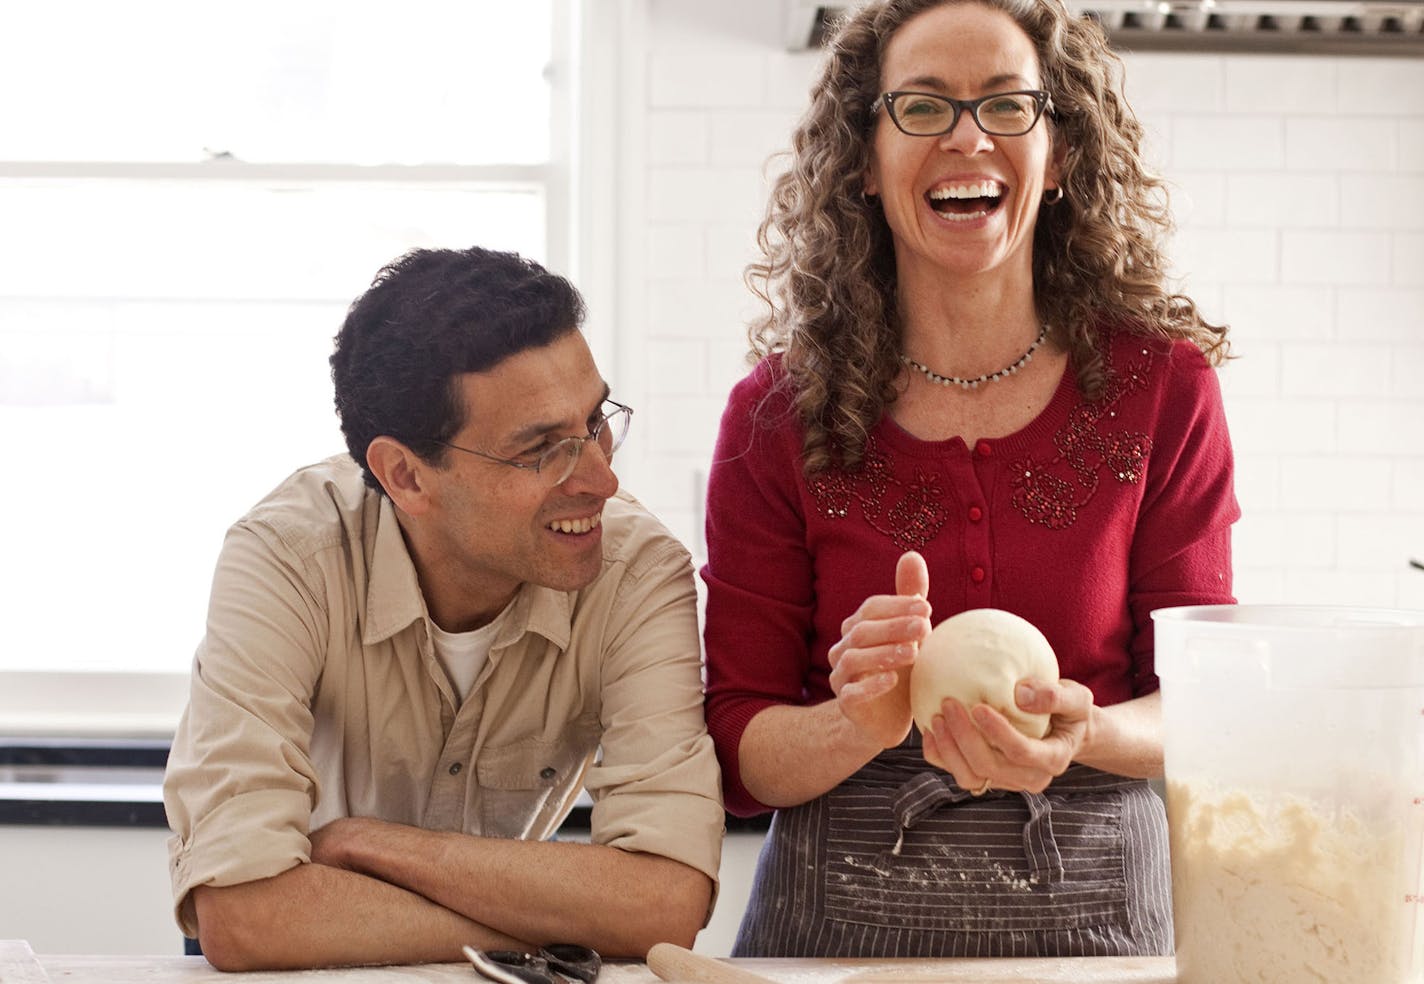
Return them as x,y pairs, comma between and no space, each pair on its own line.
977,657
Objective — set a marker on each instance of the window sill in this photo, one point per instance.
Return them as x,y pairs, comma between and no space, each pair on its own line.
91,705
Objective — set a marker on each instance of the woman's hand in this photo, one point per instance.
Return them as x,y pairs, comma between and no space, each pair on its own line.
981,749
870,665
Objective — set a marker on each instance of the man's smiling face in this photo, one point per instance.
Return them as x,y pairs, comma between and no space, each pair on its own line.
490,527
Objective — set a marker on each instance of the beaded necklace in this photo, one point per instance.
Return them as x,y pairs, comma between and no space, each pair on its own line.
988,377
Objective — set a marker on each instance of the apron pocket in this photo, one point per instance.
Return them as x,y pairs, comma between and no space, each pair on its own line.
967,867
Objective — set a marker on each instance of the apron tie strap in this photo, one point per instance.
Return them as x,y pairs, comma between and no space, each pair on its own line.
926,792
1044,860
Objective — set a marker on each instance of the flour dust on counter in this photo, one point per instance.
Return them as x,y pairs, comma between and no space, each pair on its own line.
969,970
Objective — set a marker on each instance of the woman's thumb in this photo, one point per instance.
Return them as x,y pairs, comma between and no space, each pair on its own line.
912,575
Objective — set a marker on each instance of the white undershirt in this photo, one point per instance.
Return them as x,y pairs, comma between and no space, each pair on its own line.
464,654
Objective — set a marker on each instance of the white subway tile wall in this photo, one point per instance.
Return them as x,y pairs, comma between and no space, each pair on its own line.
1297,313
1409,258
1298,188
1411,145
1393,313
1280,85
1274,201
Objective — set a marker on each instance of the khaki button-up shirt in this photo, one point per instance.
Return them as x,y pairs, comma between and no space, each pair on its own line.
316,694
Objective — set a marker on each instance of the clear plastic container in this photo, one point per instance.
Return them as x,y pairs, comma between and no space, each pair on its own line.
1294,741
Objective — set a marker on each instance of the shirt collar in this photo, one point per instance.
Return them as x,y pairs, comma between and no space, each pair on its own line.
394,601
542,610
393,598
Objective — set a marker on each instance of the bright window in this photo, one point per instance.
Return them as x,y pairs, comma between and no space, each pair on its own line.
192,194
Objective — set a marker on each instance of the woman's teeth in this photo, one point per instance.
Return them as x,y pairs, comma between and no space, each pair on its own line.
976,189
965,201
576,525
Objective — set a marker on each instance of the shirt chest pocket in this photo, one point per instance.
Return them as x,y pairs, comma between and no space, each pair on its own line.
525,787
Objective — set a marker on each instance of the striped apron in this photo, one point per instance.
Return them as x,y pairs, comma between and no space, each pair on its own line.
899,861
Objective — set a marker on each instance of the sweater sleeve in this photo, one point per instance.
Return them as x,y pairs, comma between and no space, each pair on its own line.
1181,551
760,591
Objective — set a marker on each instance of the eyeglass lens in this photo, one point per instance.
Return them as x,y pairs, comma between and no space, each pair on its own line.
1007,114
558,462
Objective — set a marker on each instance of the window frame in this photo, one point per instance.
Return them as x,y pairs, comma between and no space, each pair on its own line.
580,236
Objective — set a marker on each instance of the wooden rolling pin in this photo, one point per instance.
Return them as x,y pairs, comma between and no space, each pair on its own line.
676,963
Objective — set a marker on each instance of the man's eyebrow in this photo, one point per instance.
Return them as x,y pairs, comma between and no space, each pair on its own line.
531,431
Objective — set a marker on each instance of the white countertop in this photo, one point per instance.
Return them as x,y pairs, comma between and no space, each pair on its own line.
19,966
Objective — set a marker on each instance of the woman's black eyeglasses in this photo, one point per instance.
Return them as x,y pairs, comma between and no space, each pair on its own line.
557,963
928,114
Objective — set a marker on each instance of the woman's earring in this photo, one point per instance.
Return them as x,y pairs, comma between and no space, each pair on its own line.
1053,196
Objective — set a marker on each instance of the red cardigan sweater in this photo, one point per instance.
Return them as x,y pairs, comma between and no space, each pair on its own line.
1083,522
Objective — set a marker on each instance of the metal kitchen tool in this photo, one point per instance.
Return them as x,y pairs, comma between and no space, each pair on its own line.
1294,741
553,964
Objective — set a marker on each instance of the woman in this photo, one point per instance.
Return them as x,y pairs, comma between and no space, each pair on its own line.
974,391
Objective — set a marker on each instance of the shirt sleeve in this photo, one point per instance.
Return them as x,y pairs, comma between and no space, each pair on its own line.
240,785
1181,549
655,789
759,575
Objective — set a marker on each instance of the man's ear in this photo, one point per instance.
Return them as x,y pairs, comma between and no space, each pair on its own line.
402,473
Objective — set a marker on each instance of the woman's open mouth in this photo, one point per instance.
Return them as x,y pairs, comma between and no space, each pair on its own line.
963,201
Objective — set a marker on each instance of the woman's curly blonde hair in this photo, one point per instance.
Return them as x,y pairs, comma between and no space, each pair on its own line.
828,268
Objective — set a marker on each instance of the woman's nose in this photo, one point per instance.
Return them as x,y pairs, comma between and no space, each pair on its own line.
965,136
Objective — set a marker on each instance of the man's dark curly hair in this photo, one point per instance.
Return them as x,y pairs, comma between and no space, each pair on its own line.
428,317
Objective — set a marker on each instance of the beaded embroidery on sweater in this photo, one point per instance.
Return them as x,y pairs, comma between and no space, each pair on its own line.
910,520
1048,491
1051,491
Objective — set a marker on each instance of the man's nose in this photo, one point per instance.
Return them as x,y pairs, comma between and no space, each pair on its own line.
593,472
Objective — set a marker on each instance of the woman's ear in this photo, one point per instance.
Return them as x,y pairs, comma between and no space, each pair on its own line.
1057,158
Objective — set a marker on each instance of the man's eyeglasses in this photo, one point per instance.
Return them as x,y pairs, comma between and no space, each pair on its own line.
556,463
557,963
1003,114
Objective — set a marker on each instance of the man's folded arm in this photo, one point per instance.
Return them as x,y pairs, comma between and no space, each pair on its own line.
618,902
314,915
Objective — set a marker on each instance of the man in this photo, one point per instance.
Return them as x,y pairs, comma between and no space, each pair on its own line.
417,655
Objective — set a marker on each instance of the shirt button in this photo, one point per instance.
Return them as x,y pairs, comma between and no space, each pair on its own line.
975,514
983,449
455,769
548,772
977,575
